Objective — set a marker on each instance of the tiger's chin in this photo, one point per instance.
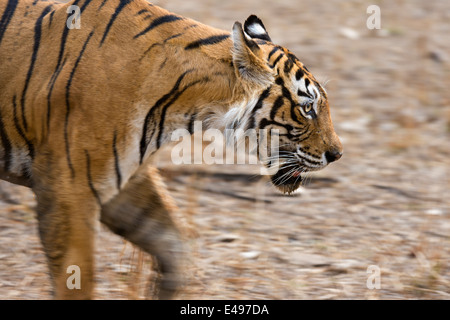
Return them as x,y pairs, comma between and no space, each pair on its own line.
286,180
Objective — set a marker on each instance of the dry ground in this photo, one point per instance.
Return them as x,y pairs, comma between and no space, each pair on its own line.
385,203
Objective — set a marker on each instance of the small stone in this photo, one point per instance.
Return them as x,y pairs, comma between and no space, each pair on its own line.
310,260
349,33
250,254
434,212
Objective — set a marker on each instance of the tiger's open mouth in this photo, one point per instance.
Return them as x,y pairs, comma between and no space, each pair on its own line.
288,178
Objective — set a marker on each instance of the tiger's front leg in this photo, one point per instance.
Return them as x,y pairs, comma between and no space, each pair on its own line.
141,214
67,212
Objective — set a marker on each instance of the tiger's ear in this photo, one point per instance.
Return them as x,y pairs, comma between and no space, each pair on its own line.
254,27
248,59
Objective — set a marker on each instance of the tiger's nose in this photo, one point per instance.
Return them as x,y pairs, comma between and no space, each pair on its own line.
333,155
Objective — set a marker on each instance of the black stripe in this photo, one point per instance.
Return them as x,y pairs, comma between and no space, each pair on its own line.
316,83
119,8
277,105
20,131
259,105
299,74
307,83
89,177
101,5
287,94
207,41
62,47
116,161
168,104
265,122
279,81
190,27
307,127
159,44
288,66
191,122
157,22
163,117
37,42
6,17
276,61
271,53
6,144
296,137
66,121
161,66
302,137
141,12
292,57
173,37
159,103
304,150
149,49
285,91
50,91
51,18
308,160
303,94
307,137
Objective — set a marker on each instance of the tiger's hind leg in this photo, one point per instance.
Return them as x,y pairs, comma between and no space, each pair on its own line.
141,214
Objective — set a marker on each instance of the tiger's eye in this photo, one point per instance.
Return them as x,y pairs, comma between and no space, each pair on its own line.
307,108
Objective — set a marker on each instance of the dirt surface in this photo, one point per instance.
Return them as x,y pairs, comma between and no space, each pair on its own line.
385,203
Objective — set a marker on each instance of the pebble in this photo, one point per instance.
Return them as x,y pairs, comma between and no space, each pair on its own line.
434,212
250,254
349,33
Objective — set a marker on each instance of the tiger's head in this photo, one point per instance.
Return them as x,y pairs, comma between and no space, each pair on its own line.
289,99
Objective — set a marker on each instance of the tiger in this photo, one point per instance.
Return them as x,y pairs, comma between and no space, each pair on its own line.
83,111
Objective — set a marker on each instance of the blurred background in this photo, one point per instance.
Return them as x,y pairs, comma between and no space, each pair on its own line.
385,203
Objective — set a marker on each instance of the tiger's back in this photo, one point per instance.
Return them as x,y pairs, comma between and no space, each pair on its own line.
82,111
47,92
